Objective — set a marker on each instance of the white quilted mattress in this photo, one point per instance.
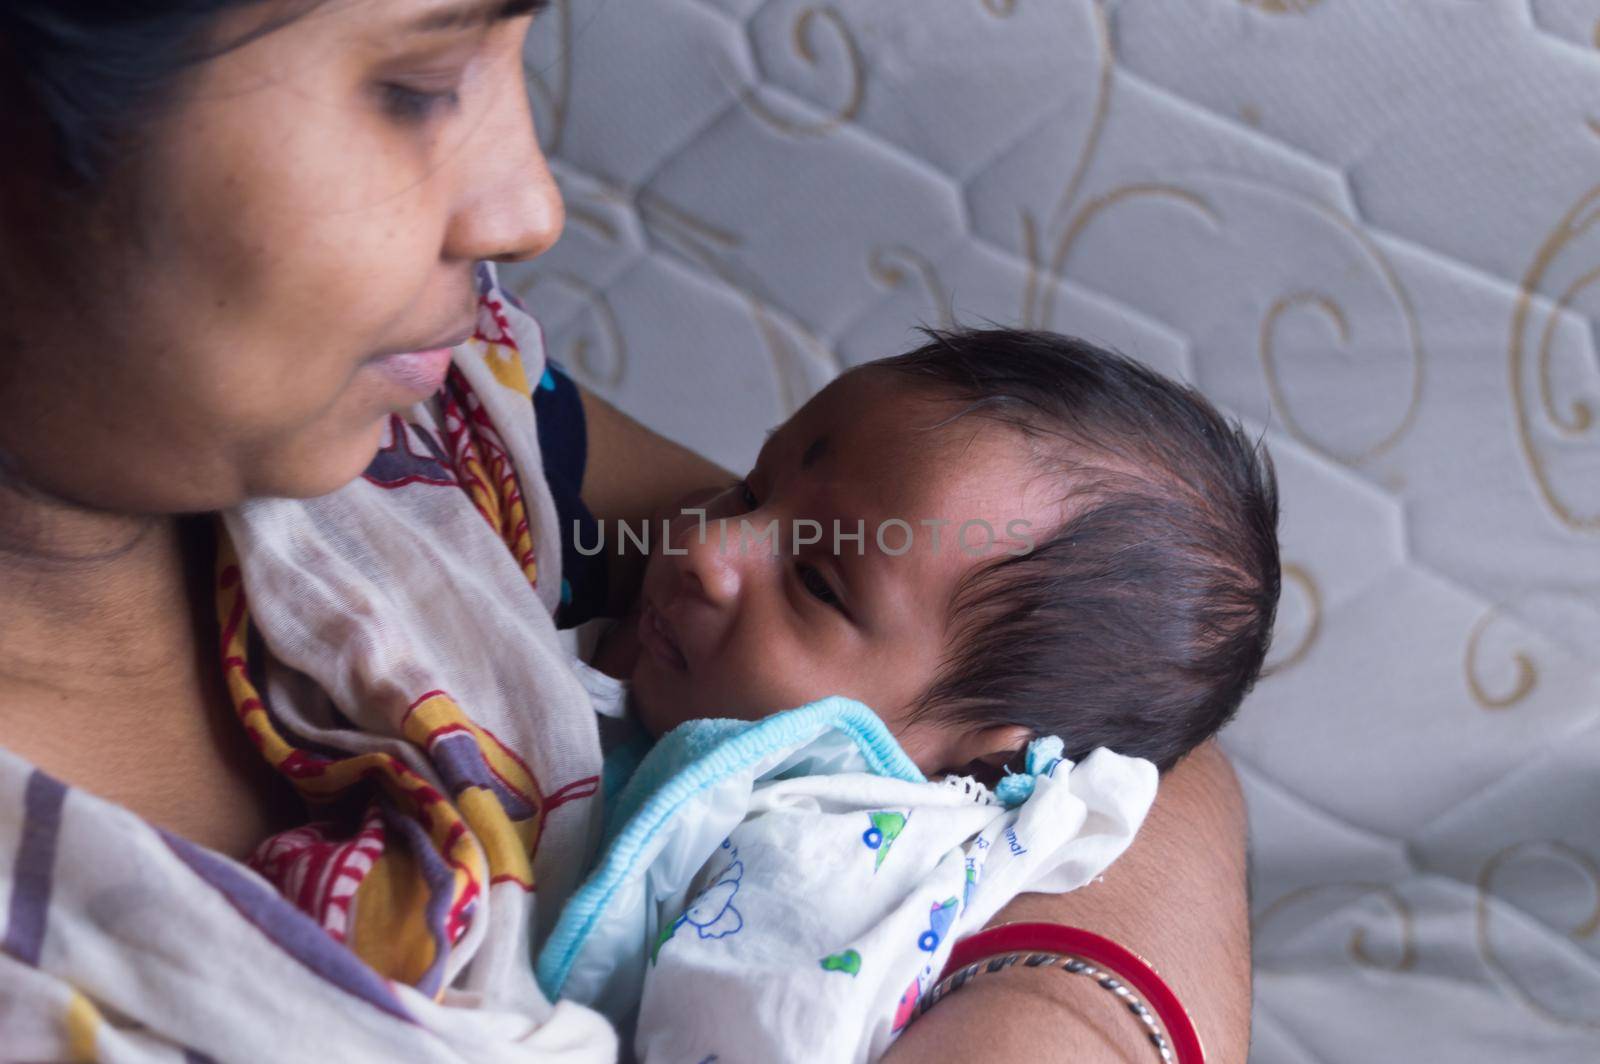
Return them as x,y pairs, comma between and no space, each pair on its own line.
1368,227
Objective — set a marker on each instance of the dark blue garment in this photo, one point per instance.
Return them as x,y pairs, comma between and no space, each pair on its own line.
564,444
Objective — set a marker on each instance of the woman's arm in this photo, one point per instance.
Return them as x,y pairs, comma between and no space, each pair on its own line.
1177,898
633,475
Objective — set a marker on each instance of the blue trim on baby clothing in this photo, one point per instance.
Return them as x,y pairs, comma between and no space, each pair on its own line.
715,749
1044,754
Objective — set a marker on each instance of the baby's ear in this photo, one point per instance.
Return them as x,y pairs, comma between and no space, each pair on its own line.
985,753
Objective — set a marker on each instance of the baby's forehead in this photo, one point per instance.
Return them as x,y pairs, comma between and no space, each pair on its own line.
873,414
956,491
873,427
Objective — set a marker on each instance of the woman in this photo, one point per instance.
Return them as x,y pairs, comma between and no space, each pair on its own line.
239,238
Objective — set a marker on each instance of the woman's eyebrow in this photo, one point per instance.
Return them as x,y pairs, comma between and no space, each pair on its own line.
474,13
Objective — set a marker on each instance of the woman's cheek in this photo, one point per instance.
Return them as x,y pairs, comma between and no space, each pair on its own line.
307,428
294,402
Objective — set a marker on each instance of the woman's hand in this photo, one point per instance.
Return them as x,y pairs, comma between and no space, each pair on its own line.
1177,898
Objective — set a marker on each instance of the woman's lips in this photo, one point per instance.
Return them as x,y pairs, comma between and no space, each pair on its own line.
418,373
657,638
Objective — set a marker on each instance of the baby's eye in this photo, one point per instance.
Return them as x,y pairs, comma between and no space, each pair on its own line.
746,496
816,585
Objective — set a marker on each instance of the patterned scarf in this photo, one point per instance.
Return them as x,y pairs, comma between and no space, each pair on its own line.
389,648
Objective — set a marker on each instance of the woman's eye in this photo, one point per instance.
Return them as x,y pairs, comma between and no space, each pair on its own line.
410,104
817,586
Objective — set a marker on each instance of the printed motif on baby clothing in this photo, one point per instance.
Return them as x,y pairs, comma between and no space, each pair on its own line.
712,914
886,827
942,915
907,1005
848,962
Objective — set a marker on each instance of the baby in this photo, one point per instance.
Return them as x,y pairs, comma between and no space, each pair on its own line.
998,538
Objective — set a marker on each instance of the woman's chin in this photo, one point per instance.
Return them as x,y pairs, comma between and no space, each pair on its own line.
310,472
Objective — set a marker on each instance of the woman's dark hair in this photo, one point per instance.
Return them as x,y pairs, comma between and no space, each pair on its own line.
93,70
1142,621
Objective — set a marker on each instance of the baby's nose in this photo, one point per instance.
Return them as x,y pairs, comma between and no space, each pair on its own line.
710,565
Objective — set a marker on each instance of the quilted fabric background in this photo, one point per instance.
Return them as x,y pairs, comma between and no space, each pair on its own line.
1370,228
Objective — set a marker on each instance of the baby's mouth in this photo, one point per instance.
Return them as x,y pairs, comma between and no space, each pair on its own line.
656,636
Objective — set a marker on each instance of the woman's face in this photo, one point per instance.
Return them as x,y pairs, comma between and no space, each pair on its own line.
235,317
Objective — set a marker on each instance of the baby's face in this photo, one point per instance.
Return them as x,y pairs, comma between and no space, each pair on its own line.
744,625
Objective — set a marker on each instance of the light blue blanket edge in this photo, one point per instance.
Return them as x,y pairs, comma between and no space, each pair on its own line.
743,747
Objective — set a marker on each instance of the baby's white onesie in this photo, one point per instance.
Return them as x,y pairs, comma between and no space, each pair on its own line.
786,889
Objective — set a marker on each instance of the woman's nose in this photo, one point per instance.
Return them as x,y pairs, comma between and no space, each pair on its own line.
509,208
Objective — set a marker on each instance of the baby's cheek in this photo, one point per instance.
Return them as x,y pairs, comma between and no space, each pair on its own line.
742,681
779,683
891,687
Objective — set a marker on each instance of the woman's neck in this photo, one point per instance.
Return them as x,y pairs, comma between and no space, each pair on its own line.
108,670
88,599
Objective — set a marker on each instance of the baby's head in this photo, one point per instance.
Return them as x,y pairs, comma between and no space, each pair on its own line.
1053,540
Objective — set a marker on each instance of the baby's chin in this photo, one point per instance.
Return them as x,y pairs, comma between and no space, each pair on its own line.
653,711
658,711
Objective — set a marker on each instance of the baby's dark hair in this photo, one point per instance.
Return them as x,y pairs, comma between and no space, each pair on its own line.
1142,621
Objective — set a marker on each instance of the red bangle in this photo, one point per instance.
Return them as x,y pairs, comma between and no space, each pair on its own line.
1127,965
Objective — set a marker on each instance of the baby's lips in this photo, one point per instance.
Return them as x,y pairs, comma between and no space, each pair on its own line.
658,637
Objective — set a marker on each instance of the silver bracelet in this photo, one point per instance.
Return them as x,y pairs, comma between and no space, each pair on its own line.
1067,963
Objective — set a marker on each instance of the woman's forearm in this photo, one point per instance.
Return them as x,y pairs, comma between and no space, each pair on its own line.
632,475
1177,898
